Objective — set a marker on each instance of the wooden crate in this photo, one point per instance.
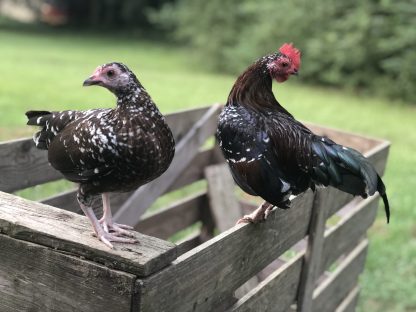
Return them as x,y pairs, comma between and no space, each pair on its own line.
297,259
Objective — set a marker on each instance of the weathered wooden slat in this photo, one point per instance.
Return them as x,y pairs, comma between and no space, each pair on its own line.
277,292
195,171
206,276
313,252
344,235
246,287
378,156
286,278
221,193
350,302
23,165
70,232
65,200
189,242
329,294
164,223
186,149
340,239
182,121
38,278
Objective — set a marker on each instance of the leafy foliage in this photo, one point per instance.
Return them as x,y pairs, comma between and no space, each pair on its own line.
365,45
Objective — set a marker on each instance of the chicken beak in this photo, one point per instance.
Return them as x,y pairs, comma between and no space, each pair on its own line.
295,72
91,81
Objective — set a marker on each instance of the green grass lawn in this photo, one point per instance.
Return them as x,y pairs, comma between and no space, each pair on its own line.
45,71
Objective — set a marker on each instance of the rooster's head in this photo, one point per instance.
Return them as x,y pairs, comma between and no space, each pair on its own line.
284,63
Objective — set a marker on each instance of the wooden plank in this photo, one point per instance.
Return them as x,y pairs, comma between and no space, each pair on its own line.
23,165
350,302
378,156
195,171
246,287
221,193
189,242
343,236
182,121
329,294
277,292
313,253
340,239
65,200
166,222
186,149
207,275
356,222
38,278
67,231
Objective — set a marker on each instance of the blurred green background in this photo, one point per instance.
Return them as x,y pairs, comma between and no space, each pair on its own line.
358,74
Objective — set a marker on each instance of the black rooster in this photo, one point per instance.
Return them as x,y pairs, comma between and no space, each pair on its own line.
107,150
272,155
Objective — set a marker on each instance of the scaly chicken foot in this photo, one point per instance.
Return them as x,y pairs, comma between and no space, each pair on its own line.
104,236
108,225
258,215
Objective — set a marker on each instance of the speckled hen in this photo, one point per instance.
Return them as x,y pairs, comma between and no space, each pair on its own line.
274,156
107,150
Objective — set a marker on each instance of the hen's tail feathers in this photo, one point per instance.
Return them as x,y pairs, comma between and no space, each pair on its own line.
348,170
37,118
40,118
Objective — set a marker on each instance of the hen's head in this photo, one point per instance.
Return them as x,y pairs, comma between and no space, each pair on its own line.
284,63
116,77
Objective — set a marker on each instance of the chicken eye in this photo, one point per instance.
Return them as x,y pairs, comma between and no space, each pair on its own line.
285,64
110,73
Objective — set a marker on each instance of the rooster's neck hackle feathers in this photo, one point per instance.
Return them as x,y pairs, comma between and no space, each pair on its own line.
253,88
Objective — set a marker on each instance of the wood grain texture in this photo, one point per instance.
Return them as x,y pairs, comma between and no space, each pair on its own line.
72,233
38,278
23,165
350,302
313,252
333,290
224,205
205,277
340,239
189,242
195,170
186,149
277,292
166,222
65,200
346,233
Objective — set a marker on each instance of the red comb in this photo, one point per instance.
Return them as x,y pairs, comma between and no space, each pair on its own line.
291,52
